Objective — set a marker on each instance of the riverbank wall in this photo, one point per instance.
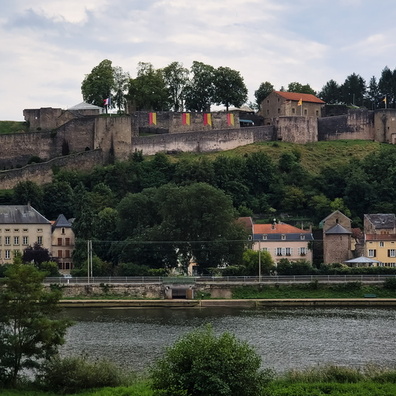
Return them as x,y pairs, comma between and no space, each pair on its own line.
231,303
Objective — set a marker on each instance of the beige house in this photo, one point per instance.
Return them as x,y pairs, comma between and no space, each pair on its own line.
22,226
290,104
63,242
283,241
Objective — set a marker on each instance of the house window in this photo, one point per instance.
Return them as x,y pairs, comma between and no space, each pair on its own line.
25,240
279,251
283,237
7,254
267,112
59,241
39,230
288,251
16,240
305,111
302,251
67,241
25,230
7,240
302,237
16,229
60,253
317,113
372,252
67,253
40,240
264,237
7,230
63,231
293,110
391,252
381,244
278,110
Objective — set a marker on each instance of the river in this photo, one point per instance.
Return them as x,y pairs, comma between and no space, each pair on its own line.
285,338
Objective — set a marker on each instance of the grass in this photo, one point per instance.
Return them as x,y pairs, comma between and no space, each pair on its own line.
312,290
314,156
13,127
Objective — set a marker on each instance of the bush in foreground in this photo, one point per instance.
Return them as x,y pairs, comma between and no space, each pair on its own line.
73,374
202,364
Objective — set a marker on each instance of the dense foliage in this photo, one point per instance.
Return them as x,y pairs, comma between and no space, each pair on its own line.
28,333
203,364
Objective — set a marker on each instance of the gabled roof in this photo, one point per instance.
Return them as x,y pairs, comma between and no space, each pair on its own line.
21,214
338,229
295,96
277,228
61,221
334,213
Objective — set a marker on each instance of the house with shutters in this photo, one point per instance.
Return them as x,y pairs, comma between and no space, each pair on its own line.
380,238
281,240
22,226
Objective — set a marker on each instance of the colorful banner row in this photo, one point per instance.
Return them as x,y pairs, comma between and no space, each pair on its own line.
186,119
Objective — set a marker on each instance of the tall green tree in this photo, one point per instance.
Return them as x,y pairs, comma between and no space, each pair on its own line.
176,78
200,91
262,92
230,88
373,94
98,85
330,92
300,88
28,192
29,334
353,91
148,90
120,88
387,85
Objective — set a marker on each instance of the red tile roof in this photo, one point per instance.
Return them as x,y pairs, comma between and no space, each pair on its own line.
297,96
380,237
277,229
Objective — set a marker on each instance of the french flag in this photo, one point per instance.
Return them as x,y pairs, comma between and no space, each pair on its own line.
106,102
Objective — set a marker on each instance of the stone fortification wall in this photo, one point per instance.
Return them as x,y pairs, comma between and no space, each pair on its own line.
385,126
43,173
296,129
46,118
216,140
114,136
170,122
357,124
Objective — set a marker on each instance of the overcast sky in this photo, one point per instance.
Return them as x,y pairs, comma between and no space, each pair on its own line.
48,46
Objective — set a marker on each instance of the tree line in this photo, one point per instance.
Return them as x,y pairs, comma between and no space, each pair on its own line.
159,212
178,88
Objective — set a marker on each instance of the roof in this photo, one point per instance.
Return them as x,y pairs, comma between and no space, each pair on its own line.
338,229
21,214
295,96
61,222
277,228
380,237
332,214
382,220
84,106
362,259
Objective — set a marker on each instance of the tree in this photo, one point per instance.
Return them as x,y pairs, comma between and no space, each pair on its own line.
121,81
176,78
387,85
373,94
36,254
253,259
353,91
230,88
203,364
300,88
28,333
330,92
58,198
98,85
200,90
148,90
28,192
262,92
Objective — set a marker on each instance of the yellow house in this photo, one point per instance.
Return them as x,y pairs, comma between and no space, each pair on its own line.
380,238
22,226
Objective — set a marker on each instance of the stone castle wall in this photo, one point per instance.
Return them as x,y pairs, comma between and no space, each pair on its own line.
43,173
296,129
357,124
204,141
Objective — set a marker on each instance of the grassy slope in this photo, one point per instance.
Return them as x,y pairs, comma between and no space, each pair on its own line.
314,156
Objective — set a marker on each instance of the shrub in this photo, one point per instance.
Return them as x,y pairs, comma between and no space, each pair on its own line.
390,283
72,374
202,364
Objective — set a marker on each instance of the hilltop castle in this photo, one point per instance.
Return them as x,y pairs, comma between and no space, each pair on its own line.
82,137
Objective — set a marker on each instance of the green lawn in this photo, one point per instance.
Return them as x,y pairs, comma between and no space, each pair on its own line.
12,127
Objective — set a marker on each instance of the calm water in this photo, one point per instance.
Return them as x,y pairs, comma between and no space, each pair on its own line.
284,338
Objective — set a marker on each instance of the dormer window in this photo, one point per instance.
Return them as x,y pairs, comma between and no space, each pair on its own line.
302,237
264,237
283,237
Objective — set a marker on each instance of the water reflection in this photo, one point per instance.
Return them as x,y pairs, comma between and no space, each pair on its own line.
284,338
